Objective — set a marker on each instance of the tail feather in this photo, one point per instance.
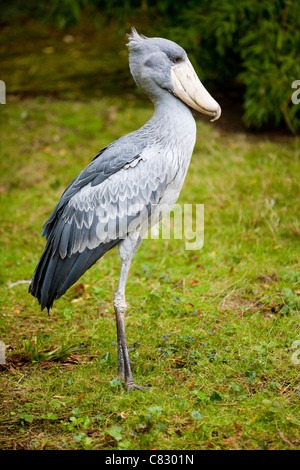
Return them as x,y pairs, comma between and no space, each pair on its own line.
54,275
36,283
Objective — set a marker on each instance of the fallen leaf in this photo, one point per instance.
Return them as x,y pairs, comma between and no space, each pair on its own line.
189,307
228,440
75,301
237,426
201,330
79,289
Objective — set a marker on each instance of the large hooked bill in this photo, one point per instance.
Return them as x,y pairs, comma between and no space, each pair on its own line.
190,90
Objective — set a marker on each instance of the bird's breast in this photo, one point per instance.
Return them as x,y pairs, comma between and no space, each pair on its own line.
176,150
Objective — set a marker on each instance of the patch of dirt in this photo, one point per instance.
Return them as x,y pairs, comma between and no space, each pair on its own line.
241,304
267,279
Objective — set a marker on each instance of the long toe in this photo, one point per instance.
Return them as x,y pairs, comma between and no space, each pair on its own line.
131,386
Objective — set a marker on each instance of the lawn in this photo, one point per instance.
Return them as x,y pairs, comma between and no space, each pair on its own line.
212,333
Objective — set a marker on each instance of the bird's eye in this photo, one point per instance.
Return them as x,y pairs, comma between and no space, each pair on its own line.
176,60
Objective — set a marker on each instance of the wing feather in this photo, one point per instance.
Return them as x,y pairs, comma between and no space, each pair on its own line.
113,196
114,204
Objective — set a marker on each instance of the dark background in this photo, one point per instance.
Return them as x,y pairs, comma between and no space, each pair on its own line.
246,53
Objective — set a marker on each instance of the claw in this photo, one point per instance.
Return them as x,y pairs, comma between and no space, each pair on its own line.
131,386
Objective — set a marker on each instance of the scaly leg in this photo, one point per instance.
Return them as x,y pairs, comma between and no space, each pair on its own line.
127,250
121,368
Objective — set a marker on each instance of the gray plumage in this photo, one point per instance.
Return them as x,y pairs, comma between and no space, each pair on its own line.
131,183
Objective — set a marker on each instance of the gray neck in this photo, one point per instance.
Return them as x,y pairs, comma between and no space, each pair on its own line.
171,126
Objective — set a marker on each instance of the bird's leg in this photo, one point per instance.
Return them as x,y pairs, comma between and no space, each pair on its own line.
121,368
124,369
120,309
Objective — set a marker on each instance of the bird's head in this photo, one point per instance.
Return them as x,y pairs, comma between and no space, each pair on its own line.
157,63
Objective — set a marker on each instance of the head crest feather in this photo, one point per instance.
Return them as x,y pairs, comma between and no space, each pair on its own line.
135,39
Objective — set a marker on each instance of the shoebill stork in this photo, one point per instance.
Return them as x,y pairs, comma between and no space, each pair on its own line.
129,185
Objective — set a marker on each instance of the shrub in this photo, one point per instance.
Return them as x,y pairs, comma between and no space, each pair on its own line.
255,43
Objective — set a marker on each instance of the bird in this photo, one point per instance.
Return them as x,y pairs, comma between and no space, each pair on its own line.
130,185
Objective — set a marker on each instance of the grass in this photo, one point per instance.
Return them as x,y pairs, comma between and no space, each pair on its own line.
212,331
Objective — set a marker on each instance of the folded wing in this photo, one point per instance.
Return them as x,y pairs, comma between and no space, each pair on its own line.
104,204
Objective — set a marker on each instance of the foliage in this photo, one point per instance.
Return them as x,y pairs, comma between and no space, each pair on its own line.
253,45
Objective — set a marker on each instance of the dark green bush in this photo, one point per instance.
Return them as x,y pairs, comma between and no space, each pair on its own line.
255,43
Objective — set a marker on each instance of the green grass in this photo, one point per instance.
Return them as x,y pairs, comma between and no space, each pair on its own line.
211,331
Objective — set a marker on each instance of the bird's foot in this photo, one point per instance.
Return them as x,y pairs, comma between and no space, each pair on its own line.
131,386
